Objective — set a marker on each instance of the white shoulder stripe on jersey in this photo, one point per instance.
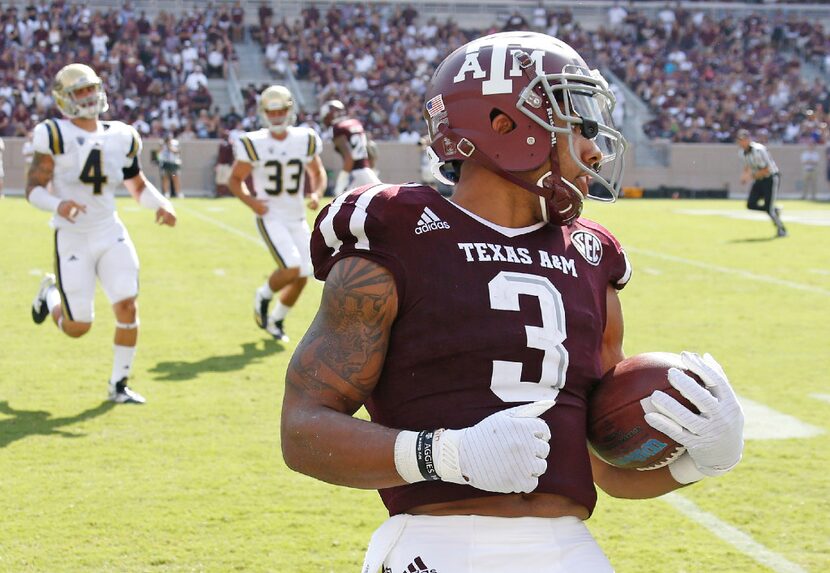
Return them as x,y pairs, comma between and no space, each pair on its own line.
327,225
628,270
357,224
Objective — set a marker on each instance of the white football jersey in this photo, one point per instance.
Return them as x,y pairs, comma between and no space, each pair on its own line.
88,166
279,167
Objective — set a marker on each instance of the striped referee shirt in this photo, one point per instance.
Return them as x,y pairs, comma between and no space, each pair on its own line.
757,157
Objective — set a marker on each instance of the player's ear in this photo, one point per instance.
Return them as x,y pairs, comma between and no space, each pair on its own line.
501,123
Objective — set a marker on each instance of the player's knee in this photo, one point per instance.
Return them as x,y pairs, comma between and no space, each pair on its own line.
126,310
74,329
292,273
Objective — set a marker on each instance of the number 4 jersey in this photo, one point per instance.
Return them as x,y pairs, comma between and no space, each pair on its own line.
488,317
89,166
279,167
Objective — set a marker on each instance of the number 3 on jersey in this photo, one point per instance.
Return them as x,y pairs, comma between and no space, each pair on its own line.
506,382
92,172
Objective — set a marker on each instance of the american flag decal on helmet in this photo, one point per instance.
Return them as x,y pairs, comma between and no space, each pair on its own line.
435,105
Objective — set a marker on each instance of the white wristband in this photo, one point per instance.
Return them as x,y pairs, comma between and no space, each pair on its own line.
684,470
43,200
406,461
150,198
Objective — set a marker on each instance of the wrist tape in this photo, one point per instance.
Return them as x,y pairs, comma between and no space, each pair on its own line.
43,200
150,198
415,455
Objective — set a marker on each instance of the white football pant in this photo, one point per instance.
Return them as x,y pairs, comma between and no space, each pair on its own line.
481,544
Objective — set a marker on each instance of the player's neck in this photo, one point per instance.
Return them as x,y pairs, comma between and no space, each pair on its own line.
279,136
86,123
492,198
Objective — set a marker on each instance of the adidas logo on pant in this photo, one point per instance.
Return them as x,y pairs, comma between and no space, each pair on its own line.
429,221
418,566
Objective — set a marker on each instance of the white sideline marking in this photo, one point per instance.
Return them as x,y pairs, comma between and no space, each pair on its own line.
731,271
823,397
228,228
732,535
216,209
219,272
820,271
35,272
815,217
652,271
763,423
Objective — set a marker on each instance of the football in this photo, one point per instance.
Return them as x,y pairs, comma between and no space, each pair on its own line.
617,429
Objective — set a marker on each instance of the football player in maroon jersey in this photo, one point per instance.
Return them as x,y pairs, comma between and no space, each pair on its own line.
472,329
352,143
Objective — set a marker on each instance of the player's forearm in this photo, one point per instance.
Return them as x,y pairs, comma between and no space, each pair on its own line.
238,188
339,449
632,484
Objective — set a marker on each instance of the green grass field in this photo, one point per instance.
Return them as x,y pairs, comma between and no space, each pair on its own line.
194,480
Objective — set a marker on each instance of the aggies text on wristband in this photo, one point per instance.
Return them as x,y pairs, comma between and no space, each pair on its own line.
424,455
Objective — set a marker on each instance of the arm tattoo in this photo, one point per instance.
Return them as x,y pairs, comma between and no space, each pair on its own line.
40,173
341,357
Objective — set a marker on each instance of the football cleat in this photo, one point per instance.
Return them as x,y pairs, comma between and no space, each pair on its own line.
261,309
39,309
120,393
782,232
274,328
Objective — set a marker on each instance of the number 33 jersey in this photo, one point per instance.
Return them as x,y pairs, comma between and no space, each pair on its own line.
488,317
89,166
278,167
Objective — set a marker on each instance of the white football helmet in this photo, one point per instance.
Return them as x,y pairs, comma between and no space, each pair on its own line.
331,110
72,78
277,98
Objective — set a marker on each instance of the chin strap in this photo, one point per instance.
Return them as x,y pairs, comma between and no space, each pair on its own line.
561,204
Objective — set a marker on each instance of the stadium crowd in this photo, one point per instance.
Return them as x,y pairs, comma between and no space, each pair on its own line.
155,71
702,77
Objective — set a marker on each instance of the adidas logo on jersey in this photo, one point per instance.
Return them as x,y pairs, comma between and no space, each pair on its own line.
429,221
418,566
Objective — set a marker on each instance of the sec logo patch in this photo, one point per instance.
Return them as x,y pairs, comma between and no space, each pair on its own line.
588,245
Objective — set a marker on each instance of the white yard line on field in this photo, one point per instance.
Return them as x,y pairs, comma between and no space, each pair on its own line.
822,397
764,423
732,535
729,270
225,226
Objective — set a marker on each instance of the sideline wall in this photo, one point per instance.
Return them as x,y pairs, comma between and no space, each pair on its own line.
697,166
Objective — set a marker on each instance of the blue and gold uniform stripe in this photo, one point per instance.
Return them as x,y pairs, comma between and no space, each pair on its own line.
55,137
274,253
133,146
312,145
67,311
249,148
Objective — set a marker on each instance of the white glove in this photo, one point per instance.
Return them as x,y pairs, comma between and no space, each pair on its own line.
713,438
506,452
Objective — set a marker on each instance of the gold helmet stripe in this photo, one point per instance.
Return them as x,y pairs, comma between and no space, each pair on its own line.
249,147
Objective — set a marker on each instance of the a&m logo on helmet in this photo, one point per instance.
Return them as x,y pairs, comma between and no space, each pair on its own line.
504,49
588,245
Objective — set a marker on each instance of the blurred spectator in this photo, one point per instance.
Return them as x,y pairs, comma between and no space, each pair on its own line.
170,162
515,22
224,165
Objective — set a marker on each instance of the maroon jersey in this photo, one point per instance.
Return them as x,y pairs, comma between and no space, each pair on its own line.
488,317
355,136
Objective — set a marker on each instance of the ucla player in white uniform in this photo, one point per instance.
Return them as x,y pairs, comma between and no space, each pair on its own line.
278,157
86,160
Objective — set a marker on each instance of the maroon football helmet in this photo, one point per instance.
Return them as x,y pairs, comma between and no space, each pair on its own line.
531,78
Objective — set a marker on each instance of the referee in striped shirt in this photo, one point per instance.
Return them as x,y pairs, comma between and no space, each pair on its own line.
760,168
